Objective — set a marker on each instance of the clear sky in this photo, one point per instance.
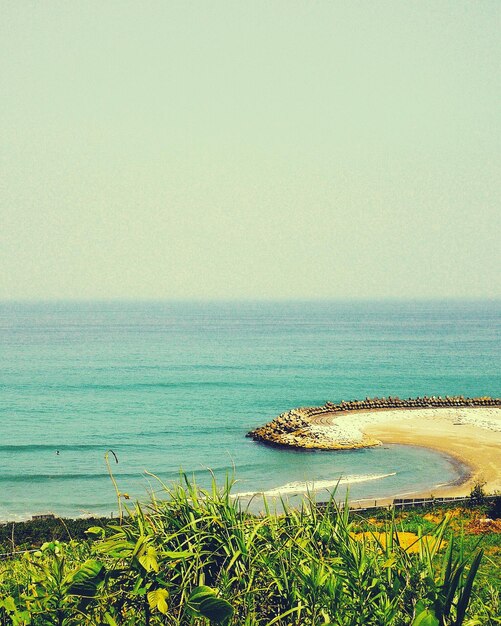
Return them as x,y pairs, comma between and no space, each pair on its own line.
259,149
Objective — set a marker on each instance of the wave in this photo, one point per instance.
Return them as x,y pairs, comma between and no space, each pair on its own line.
40,447
84,387
313,485
164,475
40,478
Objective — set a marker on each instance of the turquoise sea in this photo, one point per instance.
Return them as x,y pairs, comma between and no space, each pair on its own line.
173,385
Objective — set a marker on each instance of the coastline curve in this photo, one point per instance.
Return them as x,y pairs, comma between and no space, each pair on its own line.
468,429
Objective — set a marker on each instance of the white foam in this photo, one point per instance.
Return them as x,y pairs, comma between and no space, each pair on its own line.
312,486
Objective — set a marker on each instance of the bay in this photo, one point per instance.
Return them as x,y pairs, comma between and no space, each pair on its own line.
170,385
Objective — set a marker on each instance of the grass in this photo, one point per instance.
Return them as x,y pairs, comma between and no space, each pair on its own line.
194,557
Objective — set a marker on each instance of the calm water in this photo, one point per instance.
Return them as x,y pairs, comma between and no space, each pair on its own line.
170,385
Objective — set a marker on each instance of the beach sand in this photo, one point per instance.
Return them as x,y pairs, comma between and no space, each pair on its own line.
472,442
470,434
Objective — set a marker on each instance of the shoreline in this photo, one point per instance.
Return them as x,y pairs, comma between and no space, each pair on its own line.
467,430
474,447
460,487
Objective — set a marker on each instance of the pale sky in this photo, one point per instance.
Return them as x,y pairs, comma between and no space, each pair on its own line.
259,149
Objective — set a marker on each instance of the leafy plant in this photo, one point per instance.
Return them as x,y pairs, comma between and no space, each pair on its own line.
197,557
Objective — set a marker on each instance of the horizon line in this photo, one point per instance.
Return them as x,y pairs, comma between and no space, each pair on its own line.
256,299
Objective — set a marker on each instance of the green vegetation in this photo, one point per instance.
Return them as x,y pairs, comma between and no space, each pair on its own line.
196,558
16,536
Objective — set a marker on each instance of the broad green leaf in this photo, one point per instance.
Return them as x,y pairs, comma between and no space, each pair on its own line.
426,618
420,607
198,594
84,580
117,548
149,559
217,610
203,602
158,600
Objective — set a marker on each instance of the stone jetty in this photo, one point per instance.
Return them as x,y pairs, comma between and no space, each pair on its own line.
315,427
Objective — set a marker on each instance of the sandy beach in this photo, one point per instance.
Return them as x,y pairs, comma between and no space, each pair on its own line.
471,435
466,429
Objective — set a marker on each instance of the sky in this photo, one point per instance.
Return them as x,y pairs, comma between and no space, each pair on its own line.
250,150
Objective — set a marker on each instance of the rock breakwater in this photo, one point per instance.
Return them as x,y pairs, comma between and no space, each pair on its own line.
316,427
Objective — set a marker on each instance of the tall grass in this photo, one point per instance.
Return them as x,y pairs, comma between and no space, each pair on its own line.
195,557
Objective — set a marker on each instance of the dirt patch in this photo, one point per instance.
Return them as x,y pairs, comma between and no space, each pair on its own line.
484,525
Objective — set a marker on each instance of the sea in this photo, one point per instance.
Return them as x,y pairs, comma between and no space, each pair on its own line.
165,388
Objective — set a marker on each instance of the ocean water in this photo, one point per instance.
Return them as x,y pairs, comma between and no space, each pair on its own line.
175,385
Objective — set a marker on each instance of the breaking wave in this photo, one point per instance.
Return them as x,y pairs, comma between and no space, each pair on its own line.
311,486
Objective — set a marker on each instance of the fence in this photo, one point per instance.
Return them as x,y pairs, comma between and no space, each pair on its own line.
402,503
